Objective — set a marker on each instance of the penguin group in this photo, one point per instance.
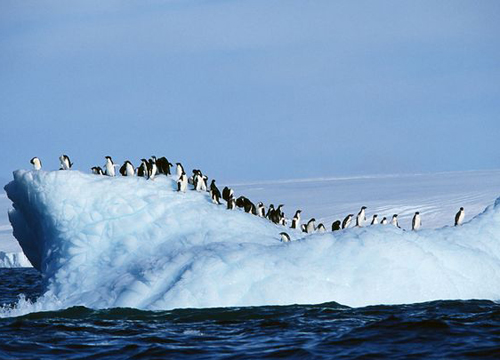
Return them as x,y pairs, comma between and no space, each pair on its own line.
150,168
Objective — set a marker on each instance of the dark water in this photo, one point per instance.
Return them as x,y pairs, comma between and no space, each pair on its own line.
435,330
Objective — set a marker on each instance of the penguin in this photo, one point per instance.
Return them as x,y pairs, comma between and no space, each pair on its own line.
96,170
66,163
109,168
127,169
270,211
278,215
179,169
261,210
282,221
416,222
303,228
163,166
374,220
310,227
214,193
321,228
361,218
459,217
182,183
204,180
143,170
384,221
394,221
231,204
227,193
296,220
285,237
347,221
37,164
336,225
197,180
152,167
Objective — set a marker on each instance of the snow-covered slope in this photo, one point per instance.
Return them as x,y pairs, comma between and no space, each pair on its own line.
107,242
13,260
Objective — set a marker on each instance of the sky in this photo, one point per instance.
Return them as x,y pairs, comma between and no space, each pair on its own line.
252,90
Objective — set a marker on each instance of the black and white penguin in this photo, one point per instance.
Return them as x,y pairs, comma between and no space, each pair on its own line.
374,220
361,218
143,170
231,203
109,167
179,169
152,168
182,182
310,226
66,163
37,164
296,220
459,217
336,225
163,166
278,215
384,221
261,210
347,221
214,193
127,169
321,228
285,237
270,211
394,221
96,170
227,193
416,222
197,180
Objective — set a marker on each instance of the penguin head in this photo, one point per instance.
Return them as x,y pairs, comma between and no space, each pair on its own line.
32,161
375,216
312,220
395,215
417,213
260,204
384,218
461,209
363,207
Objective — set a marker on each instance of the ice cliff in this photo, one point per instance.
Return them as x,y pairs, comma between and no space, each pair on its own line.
127,242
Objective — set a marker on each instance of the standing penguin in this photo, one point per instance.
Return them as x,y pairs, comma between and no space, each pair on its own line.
310,226
37,164
336,225
347,221
227,193
214,193
66,163
459,217
127,169
182,182
163,166
109,168
152,167
321,228
296,220
416,222
285,237
179,169
384,221
394,221
143,170
361,218
374,220
261,210
231,203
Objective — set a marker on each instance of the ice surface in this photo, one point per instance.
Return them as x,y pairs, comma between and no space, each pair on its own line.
13,260
127,242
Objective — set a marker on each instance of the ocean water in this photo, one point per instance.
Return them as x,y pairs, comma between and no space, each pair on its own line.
434,330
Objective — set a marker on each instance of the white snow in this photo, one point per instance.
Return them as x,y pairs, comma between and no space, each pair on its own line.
107,242
13,260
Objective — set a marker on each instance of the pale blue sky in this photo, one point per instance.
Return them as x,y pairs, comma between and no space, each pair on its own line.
249,90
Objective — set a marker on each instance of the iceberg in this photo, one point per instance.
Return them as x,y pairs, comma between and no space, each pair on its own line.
13,260
105,242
